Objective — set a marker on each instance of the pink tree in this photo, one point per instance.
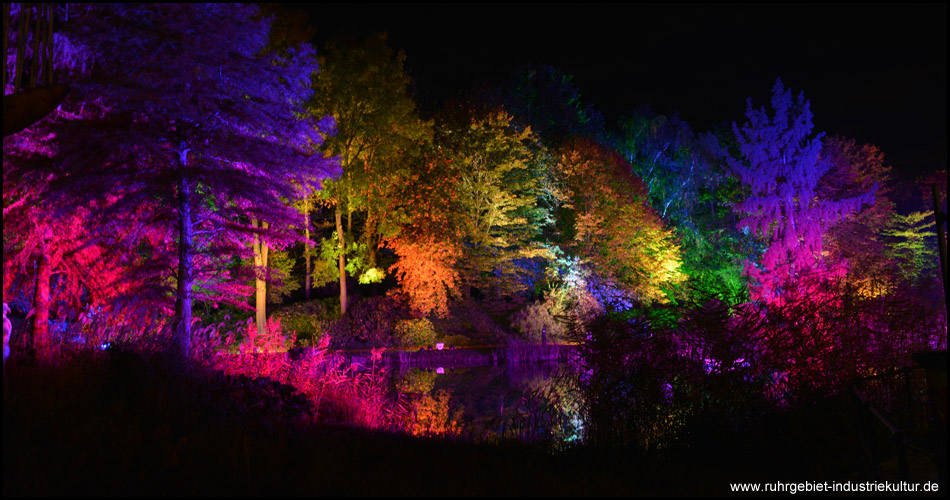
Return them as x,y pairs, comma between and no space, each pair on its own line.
782,167
190,129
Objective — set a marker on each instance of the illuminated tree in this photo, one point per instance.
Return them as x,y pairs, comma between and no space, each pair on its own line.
499,193
364,87
671,160
859,240
684,175
426,273
782,167
181,114
613,225
59,261
427,245
911,241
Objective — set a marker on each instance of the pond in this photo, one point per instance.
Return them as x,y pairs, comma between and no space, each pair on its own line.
533,401
525,393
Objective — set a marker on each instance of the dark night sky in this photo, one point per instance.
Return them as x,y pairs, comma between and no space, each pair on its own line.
873,72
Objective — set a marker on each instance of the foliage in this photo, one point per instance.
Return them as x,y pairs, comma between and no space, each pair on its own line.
714,263
368,323
183,126
325,266
912,243
819,342
671,160
614,227
426,245
860,240
573,292
685,176
627,386
782,167
535,318
308,320
415,332
364,87
723,343
426,272
431,415
498,191
283,285
271,340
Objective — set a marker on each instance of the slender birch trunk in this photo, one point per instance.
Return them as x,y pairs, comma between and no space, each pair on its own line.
260,283
341,246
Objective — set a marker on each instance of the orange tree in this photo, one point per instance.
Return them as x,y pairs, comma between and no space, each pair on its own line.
607,220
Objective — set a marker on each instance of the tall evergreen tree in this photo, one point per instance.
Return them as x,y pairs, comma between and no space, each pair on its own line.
183,125
782,165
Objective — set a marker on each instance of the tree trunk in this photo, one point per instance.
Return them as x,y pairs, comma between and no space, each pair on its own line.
341,246
24,20
6,38
260,283
349,222
35,63
41,340
48,43
182,335
306,249
372,236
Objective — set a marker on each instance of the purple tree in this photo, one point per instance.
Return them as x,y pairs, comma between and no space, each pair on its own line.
192,131
782,167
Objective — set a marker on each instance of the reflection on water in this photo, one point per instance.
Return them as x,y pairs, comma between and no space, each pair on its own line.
535,402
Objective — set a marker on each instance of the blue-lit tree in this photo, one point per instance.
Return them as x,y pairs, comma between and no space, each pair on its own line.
184,127
782,165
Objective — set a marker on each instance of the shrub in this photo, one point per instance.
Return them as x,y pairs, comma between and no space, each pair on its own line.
368,323
535,317
471,321
415,332
310,320
272,340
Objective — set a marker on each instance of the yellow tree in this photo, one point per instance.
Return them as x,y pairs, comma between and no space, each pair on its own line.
364,87
611,223
499,190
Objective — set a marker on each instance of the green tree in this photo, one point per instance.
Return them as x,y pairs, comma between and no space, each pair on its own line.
911,240
364,87
670,158
499,191
689,187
